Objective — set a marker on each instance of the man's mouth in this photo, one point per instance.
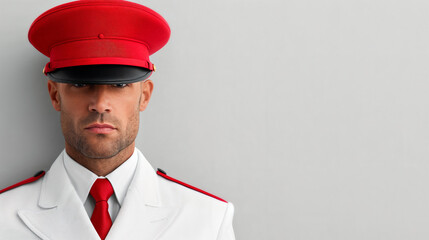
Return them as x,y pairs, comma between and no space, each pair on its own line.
100,128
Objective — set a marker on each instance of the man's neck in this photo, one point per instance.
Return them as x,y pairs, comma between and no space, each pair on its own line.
101,166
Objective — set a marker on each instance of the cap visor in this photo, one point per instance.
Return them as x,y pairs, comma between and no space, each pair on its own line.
100,74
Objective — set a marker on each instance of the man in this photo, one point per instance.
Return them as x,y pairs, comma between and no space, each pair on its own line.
101,186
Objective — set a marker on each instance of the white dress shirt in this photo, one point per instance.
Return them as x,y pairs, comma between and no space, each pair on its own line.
83,179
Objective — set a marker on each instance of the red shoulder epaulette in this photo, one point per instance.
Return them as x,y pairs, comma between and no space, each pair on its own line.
163,174
29,180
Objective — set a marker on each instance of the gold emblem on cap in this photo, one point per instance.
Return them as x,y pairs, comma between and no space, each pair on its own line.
43,71
154,68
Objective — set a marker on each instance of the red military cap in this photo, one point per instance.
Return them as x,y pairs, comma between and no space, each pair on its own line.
99,41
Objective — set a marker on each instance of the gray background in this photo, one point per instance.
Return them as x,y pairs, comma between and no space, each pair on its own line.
310,116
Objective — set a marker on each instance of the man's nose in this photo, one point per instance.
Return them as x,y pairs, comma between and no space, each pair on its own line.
100,101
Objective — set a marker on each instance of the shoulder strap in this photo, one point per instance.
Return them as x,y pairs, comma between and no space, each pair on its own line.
163,174
28,180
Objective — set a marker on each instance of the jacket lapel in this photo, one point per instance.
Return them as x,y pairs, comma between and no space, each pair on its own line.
142,214
61,214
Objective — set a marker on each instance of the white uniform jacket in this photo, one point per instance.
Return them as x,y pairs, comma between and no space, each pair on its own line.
154,208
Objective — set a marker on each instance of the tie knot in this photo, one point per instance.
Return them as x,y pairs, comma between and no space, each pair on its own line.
101,190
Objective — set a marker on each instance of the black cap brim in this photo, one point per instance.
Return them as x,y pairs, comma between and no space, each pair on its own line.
100,74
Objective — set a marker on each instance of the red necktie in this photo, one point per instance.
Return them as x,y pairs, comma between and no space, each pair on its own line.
101,192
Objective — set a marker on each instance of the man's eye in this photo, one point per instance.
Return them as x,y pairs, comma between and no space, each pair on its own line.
79,85
120,85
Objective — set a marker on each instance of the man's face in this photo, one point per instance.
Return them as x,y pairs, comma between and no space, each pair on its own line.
100,120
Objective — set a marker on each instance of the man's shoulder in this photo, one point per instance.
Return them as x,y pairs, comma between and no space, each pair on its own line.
23,195
24,190
179,190
202,213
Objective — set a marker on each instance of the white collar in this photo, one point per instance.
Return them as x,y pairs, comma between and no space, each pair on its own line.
83,179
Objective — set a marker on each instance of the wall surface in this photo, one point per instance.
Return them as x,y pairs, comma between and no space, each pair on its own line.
312,117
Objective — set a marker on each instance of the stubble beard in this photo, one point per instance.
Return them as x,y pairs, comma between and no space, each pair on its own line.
103,147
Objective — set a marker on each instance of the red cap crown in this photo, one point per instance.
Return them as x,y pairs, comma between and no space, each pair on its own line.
89,32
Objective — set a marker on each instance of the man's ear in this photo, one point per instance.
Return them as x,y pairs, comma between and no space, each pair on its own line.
54,95
147,88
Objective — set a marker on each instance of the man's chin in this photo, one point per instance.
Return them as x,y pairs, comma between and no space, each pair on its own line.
99,147
100,150
97,154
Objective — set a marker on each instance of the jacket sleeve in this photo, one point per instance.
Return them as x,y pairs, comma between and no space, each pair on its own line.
226,231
